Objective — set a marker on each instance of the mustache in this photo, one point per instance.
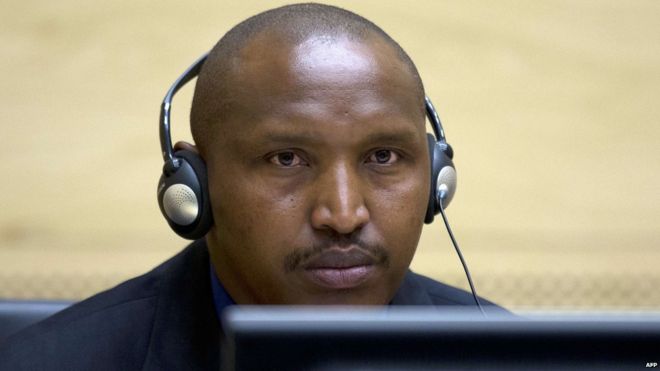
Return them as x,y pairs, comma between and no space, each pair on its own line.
299,256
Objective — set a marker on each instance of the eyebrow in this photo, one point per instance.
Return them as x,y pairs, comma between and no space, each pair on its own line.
397,136
287,138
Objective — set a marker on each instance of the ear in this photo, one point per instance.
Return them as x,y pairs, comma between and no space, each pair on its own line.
186,146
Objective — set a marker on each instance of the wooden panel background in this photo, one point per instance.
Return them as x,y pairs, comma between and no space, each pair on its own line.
551,106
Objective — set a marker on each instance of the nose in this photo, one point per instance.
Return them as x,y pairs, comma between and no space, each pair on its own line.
340,203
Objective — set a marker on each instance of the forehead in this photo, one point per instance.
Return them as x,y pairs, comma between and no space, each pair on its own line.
271,71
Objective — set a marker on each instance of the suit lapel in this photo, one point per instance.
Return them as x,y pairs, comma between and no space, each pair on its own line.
411,292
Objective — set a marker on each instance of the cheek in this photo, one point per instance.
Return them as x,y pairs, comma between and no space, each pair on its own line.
253,213
398,212
403,203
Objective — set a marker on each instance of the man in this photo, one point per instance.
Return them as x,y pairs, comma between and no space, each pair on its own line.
311,122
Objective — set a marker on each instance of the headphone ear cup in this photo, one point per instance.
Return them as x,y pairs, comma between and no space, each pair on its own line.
183,197
443,176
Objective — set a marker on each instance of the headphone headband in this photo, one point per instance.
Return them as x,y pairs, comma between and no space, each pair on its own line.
433,116
165,136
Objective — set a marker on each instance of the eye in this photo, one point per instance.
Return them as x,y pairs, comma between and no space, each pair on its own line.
286,159
383,157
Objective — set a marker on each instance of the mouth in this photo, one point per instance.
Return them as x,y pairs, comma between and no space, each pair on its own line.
340,268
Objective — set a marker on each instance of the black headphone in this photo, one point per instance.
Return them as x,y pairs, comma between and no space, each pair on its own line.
183,194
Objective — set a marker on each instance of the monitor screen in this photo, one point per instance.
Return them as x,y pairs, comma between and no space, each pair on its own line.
331,338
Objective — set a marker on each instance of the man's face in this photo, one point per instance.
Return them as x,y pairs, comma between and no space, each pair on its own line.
318,173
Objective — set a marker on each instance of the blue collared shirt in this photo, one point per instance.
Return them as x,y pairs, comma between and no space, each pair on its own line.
221,298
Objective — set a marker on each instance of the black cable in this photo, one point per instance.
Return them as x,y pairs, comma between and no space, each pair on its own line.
460,256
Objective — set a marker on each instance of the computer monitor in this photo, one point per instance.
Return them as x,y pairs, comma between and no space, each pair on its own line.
327,338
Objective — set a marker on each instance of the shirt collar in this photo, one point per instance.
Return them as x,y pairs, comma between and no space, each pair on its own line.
221,298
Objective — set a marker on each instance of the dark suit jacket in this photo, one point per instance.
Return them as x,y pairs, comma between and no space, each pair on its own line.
163,320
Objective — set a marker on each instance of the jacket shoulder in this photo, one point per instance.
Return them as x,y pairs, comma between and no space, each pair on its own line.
443,294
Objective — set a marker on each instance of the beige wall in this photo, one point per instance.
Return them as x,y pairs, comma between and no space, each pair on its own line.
551,107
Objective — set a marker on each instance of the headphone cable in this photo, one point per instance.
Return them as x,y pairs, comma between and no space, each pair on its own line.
460,256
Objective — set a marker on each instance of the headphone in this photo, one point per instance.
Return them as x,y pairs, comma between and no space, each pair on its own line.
183,194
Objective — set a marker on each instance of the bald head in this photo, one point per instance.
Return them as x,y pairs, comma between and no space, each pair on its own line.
290,33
